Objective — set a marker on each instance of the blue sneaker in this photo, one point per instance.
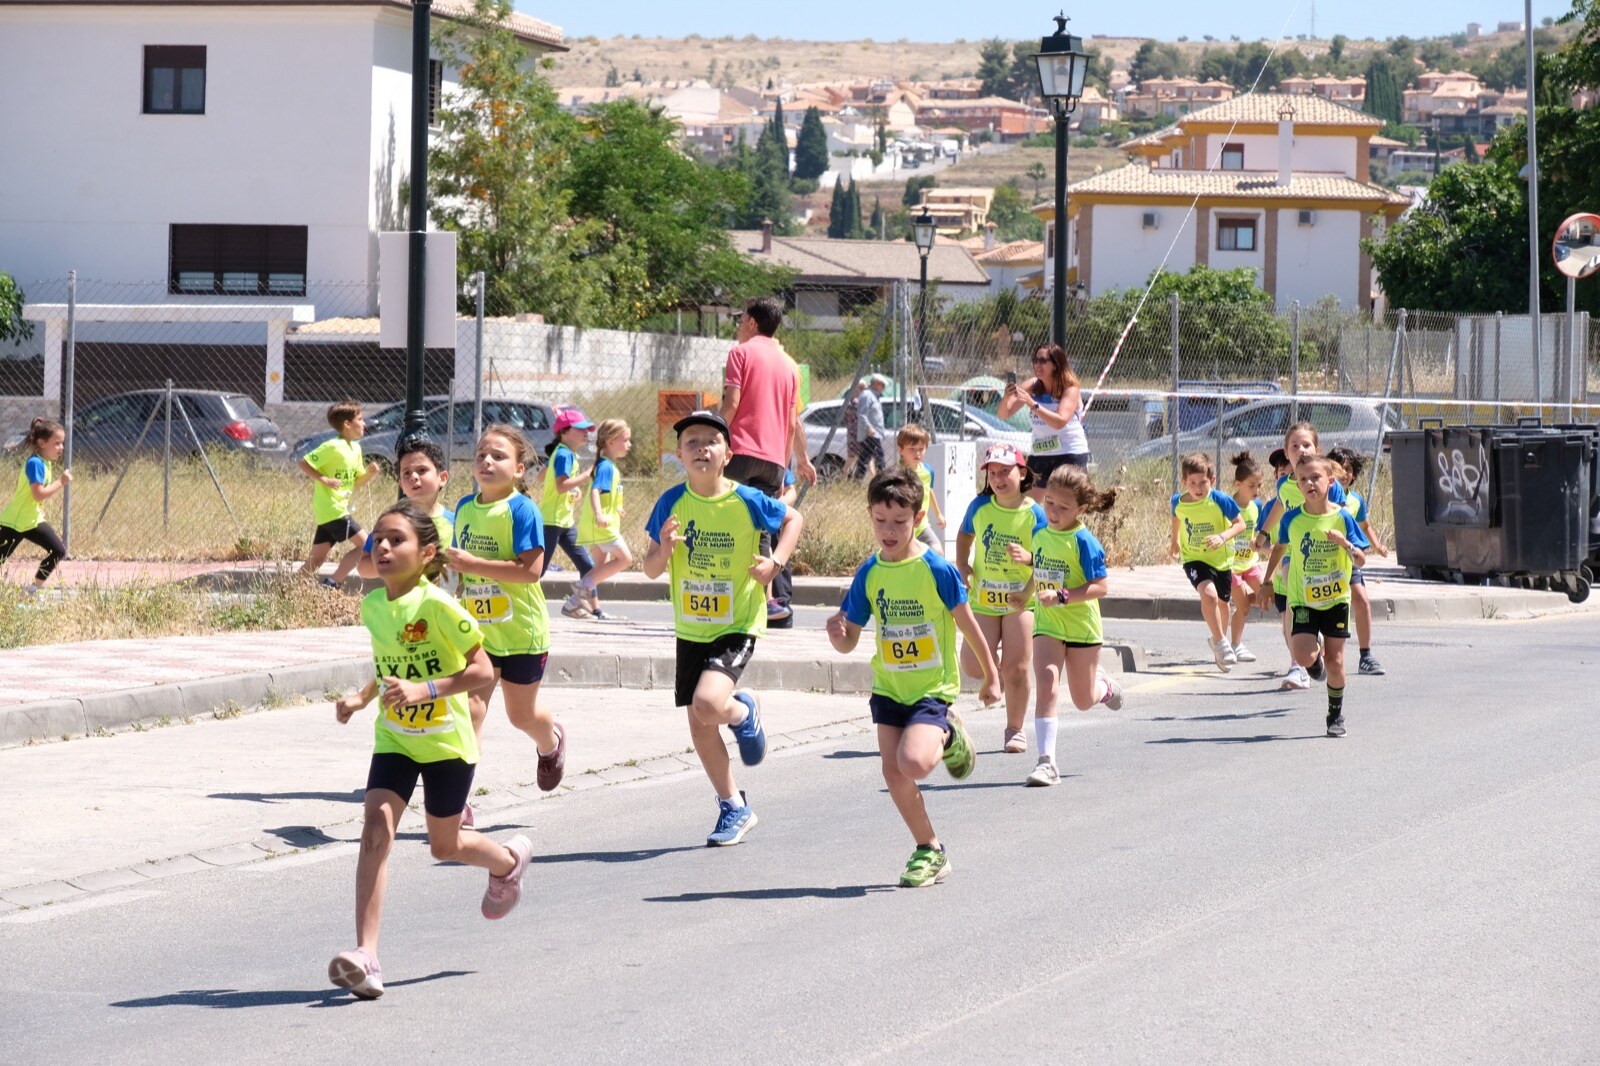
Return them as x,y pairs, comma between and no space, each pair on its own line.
732,823
751,737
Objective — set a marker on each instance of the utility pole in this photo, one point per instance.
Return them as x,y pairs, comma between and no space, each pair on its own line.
416,299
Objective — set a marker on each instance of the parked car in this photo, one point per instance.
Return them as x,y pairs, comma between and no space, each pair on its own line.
942,417
1258,427
533,417
104,432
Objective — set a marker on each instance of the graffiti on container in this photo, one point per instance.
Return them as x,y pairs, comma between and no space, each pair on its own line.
1462,486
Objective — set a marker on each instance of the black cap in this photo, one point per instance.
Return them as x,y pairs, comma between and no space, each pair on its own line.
701,418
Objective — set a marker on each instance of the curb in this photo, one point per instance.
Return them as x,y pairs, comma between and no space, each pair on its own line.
291,840
39,720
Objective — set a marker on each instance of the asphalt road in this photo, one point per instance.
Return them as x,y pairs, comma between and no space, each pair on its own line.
1213,881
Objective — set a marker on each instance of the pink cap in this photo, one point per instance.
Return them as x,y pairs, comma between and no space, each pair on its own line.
571,418
1004,454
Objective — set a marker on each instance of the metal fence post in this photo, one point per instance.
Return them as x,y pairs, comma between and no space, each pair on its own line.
67,402
477,362
166,464
1172,404
1499,320
1294,361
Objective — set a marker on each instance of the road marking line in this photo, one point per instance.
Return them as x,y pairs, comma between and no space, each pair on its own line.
45,912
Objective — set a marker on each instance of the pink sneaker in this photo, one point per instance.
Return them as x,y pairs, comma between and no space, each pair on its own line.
358,971
467,820
504,893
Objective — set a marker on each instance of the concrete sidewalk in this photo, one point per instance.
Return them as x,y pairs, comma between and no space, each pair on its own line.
57,691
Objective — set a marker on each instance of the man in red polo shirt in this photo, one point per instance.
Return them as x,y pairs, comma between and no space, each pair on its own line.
761,404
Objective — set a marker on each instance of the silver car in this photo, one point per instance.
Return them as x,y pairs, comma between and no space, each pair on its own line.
942,418
1258,427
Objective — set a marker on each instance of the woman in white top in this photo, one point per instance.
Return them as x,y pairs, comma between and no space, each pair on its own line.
1055,406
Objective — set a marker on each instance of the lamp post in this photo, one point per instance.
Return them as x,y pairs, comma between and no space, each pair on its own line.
1062,66
415,422
923,232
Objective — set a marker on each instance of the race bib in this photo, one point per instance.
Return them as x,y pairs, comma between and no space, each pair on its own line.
1325,588
1048,580
707,602
995,595
909,647
1244,550
486,603
1045,445
419,719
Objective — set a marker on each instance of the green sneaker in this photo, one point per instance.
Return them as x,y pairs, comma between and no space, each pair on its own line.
927,867
959,758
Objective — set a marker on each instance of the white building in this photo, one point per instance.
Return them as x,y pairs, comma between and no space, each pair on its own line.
1276,183
212,148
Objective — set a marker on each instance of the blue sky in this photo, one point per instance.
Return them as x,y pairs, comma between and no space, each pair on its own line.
1167,19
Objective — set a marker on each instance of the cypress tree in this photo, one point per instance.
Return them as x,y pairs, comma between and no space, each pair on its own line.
811,147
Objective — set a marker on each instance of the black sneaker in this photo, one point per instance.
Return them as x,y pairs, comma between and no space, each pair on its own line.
1317,671
1336,726
1371,667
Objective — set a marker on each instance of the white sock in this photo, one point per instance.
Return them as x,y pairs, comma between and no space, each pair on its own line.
1045,730
735,801
740,713
1102,686
587,581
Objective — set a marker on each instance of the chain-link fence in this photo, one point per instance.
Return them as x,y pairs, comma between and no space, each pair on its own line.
188,416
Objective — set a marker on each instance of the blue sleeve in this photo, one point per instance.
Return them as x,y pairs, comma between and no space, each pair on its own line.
1336,492
35,470
563,462
1176,496
663,511
527,526
857,610
788,477
367,547
1226,504
1039,520
926,467
450,516
1352,532
1283,527
605,470
967,526
952,593
1266,513
1091,556
766,513
1361,509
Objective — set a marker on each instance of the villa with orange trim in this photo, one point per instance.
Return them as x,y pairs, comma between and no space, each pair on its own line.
1276,182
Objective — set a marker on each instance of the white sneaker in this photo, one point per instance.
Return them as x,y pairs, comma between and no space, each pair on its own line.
1044,775
1243,654
1222,653
1296,679
1113,697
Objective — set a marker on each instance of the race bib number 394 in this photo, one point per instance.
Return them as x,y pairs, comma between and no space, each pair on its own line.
1326,588
709,602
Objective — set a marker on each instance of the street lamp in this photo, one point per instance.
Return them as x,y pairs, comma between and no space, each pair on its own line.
1063,65
923,232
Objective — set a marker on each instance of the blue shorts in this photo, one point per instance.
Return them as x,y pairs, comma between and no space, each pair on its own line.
520,669
1357,577
926,711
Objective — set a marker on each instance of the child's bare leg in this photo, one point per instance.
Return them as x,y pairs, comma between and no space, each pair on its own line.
314,560
609,564
1333,659
1361,607
348,562
989,626
1016,665
1243,596
381,819
710,710
908,755
1083,677
1209,605
527,714
448,842
478,706
1305,647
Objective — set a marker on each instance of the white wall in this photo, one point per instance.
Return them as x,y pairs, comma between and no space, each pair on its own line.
1122,252
1335,154
1319,260
1255,260
91,183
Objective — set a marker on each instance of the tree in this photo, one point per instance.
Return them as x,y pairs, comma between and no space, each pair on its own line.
1577,66
1038,172
1336,47
914,187
497,170
1385,90
1154,60
13,327
836,208
811,147
876,224
1402,47
1012,218
994,67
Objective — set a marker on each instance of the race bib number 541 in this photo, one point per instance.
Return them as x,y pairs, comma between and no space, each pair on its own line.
709,602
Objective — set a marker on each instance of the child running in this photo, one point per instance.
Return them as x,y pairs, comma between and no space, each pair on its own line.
335,469
423,477
912,440
1247,565
498,551
600,517
1003,521
705,534
428,654
1323,545
1204,521
919,603
1299,441
1348,465
559,497
1069,580
23,517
